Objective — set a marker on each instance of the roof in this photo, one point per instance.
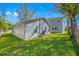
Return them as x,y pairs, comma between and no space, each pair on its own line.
53,20
48,20
56,18
33,20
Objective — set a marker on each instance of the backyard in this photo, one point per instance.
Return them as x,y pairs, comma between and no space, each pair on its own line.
55,44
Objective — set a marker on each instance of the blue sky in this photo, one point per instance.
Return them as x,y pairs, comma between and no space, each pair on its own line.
41,10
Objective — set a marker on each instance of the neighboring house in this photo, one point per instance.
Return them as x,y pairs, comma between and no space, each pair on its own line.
56,24
27,29
31,28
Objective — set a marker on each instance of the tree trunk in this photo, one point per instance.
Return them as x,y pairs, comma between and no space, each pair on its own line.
73,28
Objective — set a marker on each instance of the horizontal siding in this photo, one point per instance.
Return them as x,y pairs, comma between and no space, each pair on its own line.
30,26
57,24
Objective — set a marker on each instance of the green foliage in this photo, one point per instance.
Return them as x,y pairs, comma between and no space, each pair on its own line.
70,11
3,25
57,44
67,9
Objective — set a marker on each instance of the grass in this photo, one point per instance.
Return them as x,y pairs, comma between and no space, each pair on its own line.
57,44
76,45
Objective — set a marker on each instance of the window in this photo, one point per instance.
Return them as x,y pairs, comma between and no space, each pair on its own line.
54,28
35,29
45,28
59,21
42,28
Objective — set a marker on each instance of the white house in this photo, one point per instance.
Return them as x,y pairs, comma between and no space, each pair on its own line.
31,28
27,29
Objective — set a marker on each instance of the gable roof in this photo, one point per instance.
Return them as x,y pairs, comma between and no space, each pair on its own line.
30,21
48,20
38,19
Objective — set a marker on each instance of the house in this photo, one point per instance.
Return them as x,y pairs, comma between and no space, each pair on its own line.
56,24
31,28
27,29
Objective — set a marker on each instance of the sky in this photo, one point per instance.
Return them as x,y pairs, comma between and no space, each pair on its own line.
41,10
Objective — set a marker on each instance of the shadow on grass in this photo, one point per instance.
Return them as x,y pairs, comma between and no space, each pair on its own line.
76,47
48,46
9,35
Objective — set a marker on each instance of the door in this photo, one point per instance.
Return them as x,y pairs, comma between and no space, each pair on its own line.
44,30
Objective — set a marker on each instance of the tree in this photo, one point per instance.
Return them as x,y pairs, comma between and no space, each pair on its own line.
71,10
68,24
25,13
3,25
4,13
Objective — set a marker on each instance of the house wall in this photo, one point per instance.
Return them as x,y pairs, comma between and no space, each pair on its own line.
30,28
43,24
18,30
63,25
58,24
25,30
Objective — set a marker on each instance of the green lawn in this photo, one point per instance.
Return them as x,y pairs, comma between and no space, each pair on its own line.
50,45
